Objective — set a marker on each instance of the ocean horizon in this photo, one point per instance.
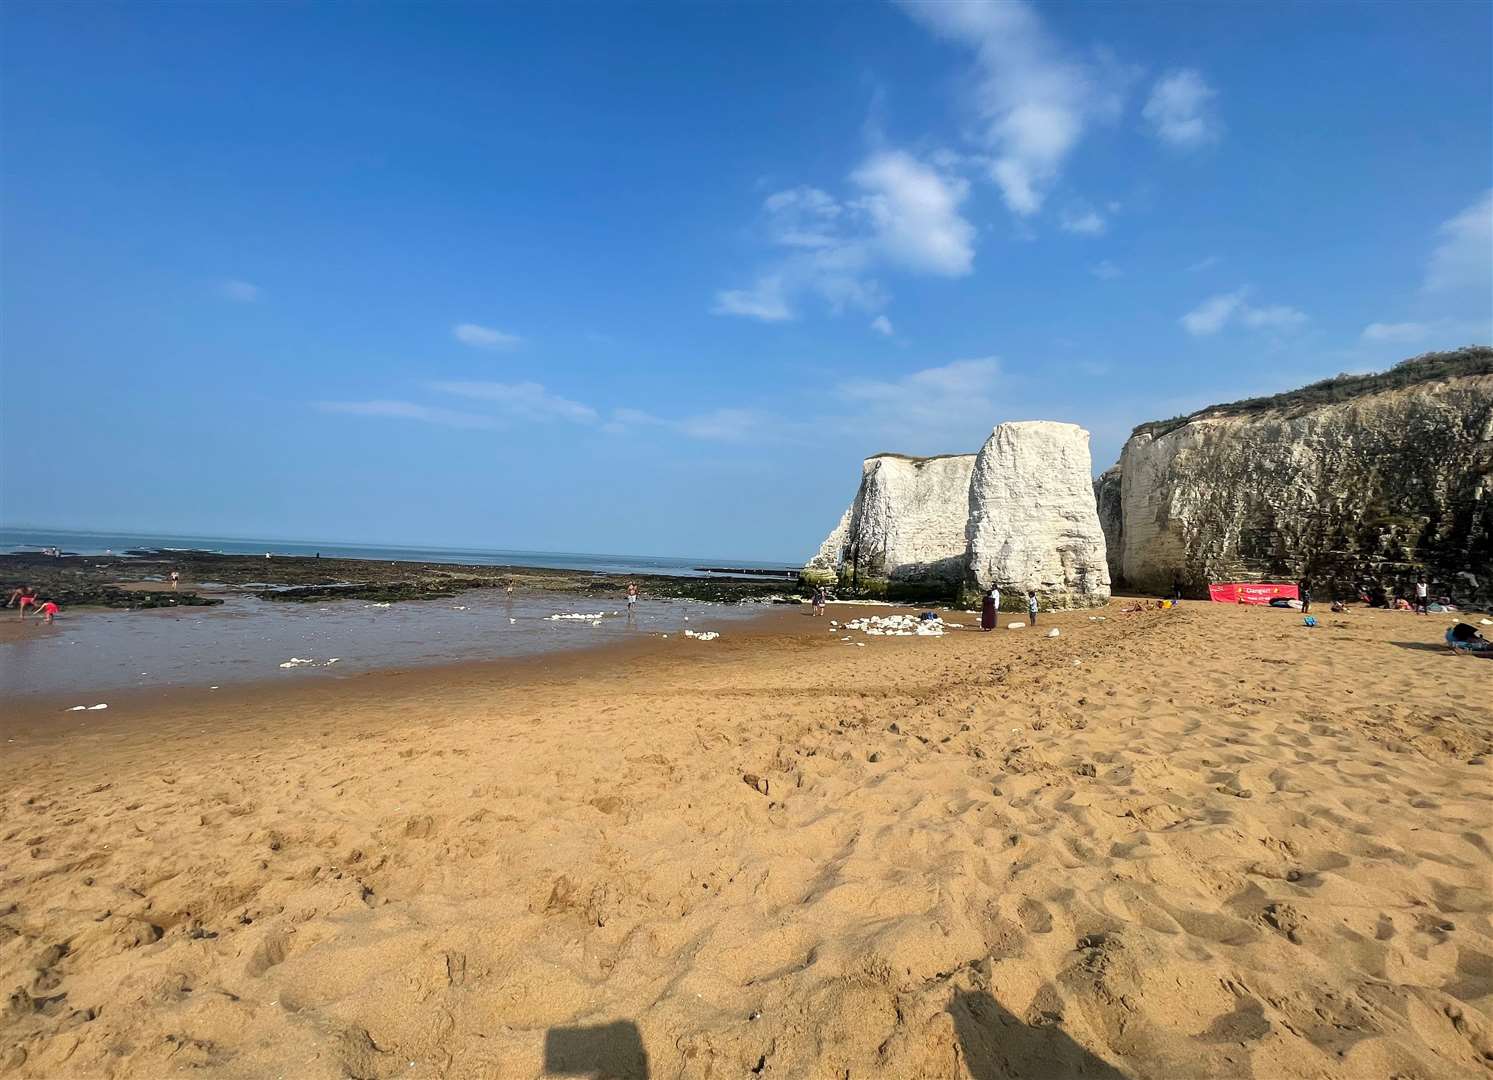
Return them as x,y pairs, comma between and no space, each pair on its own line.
101,542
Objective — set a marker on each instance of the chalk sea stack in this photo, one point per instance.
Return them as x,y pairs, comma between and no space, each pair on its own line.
1358,479
1032,516
1019,514
904,535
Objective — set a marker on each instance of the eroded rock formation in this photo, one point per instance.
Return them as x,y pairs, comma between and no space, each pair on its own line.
1359,479
1032,518
1021,513
905,532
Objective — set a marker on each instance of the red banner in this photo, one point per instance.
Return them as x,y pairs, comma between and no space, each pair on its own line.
1251,593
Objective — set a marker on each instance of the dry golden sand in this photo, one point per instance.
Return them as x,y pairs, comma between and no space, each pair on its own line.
1202,843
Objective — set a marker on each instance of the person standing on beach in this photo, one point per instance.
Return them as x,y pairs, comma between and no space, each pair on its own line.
175,579
820,599
1422,596
1031,606
1305,589
990,609
632,598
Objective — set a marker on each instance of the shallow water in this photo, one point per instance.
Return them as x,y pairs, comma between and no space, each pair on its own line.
247,639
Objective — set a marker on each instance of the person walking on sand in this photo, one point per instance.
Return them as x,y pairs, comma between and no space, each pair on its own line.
990,608
632,598
1422,596
1031,606
175,579
820,599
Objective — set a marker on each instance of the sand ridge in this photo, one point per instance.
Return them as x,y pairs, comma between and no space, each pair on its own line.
1204,842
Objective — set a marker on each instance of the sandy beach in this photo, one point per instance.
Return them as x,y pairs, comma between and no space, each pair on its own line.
1209,842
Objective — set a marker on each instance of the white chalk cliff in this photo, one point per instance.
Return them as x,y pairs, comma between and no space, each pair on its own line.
1020,513
906,527
1372,479
1033,523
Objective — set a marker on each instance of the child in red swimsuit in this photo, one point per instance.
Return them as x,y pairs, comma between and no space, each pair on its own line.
47,610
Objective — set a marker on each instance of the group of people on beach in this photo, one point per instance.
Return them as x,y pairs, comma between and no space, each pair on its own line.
27,598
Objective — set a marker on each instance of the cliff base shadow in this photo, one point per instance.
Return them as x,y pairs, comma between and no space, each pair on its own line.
603,1052
997,1045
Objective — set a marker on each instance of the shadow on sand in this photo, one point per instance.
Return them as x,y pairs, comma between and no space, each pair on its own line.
999,1046
1443,649
605,1052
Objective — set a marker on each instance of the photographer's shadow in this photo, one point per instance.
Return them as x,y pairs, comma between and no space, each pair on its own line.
604,1052
999,1046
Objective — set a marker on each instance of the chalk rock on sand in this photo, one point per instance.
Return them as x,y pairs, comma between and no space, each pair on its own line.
905,531
1032,518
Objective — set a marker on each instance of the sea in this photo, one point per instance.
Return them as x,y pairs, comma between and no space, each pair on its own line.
88,654
103,543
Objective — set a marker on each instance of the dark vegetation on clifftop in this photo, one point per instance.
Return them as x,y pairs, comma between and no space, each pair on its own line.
1472,360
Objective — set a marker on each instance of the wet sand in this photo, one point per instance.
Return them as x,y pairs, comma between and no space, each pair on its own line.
1204,842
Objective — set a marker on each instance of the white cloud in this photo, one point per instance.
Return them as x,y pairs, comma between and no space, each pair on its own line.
1204,263
1276,317
1033,99
1083,222
483,337
914,214
1209,316
956,393
1463,258
240,292
720,425
1213,314
725,425
1181,110
764,301
1106,271
803,217
905,218
1439,333
524,400
882,325
1403,332
408,410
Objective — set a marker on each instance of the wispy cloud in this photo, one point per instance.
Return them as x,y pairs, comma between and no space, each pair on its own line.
719,425
240,292
1204,263
1436,333
408,410
957,393
1181,110
1213,314
903,214
1035,99
1085,222
484,337
1106,270
523,400
882,325
1463,257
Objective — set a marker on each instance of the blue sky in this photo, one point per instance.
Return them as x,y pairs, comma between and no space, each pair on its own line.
654,278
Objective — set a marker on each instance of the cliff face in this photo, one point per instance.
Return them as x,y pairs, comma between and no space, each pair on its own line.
904,533
1111,517
1020,513
1032,520
1393,479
